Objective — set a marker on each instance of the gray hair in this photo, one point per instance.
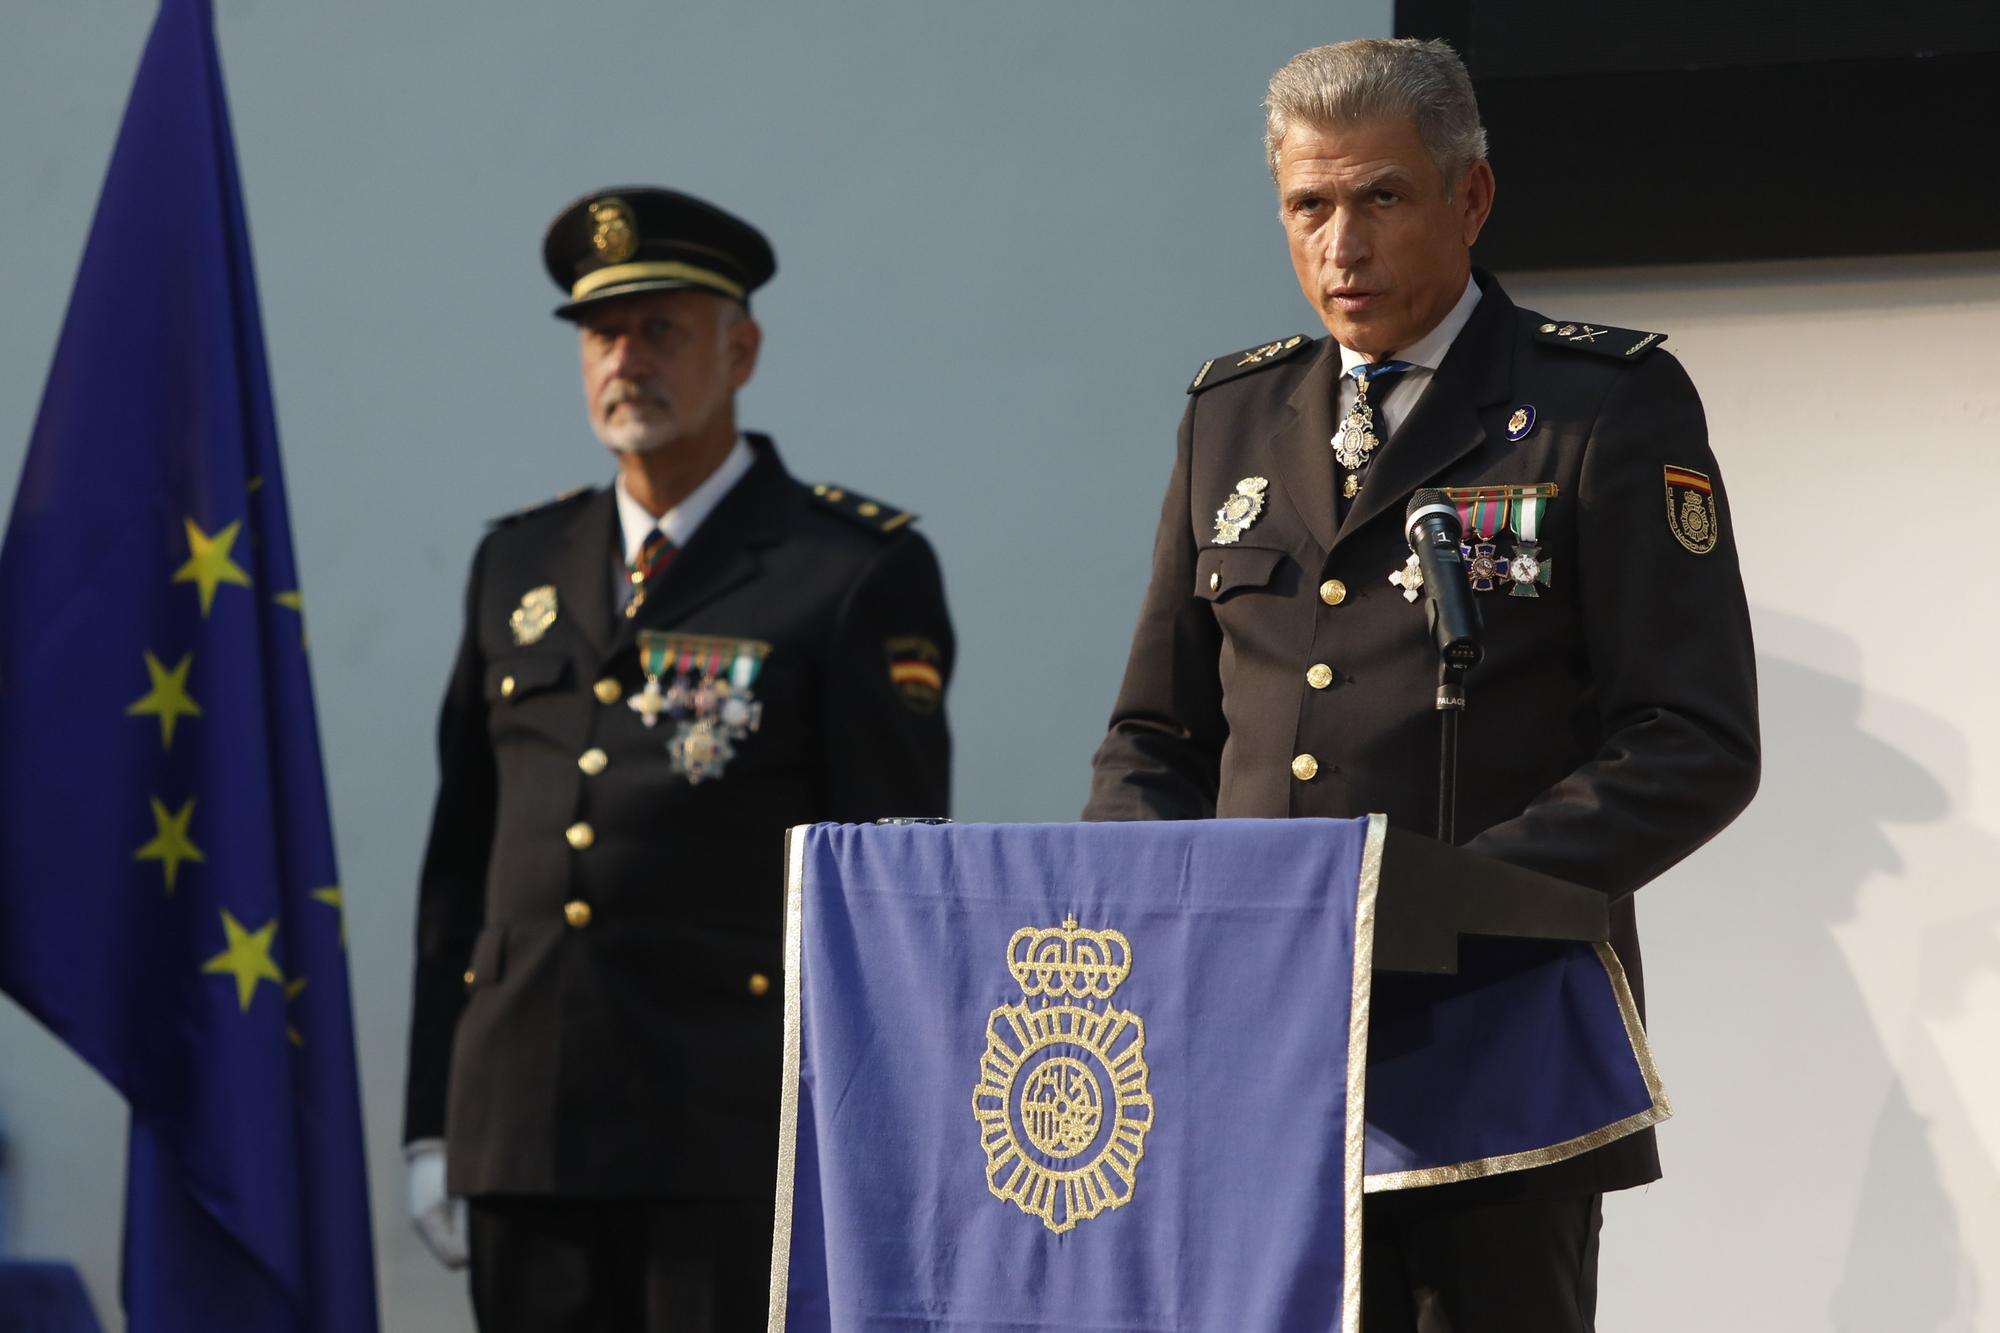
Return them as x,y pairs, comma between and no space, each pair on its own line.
1372,79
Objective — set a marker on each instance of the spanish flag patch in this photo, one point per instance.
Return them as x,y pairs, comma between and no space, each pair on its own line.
916,673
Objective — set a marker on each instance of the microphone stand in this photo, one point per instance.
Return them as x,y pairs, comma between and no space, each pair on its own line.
1450,703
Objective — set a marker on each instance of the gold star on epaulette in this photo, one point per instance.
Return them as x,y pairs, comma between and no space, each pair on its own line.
870,514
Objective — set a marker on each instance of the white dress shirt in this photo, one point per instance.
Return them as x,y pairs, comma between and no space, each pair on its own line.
680,522
1424,356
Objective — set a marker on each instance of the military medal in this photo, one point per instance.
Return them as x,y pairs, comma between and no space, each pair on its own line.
711,700
1240,510
1525,567
1482,514
1356,439
1410,578
532,618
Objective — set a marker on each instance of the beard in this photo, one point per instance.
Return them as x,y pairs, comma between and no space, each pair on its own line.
635,418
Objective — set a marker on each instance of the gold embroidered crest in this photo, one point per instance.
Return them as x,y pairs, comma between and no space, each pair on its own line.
616,237
532,618
1061,1102
1691,515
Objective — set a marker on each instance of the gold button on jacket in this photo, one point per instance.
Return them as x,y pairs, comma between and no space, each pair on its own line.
759,984
1319,675
607,691
577,913
580,835
592,761
1333,592
1304,767
507,688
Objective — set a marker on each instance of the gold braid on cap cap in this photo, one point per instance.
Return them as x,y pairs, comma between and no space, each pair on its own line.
661,268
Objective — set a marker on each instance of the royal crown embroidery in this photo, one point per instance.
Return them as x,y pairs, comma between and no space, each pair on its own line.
1061,1102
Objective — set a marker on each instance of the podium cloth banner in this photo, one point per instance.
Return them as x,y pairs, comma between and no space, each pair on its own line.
1113,1076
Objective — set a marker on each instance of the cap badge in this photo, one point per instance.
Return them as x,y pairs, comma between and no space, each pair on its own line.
532,618
1239,510
616,236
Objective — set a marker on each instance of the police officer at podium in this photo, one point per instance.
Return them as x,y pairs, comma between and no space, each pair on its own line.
1282,664
655,679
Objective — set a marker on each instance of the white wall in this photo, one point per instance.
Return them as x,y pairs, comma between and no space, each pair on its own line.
1007,237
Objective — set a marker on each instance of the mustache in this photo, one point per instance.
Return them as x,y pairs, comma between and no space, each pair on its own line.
630,391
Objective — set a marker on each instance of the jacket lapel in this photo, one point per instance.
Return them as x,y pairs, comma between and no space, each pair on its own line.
583,568
1477,372
1303,445
726,551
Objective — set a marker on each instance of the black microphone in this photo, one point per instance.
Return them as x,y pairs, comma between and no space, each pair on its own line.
1435,530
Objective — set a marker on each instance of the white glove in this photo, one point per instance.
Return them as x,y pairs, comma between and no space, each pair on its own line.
439,1218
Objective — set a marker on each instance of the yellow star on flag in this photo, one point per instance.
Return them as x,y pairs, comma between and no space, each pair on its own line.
330,895
292,989
209,565
293,601
248,959
168,699
170,845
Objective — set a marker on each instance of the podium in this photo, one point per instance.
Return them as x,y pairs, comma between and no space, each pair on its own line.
1143,1075
1431,895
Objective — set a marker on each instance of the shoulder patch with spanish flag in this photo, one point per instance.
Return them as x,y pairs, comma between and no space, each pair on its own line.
1691,514
916,673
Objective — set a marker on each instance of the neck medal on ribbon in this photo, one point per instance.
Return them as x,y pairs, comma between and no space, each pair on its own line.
709,696
1356,438
1240,510
1062,1103
1486,511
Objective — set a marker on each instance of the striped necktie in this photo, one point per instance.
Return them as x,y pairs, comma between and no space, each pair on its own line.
655,554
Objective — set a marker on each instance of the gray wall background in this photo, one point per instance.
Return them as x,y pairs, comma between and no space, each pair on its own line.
1008,235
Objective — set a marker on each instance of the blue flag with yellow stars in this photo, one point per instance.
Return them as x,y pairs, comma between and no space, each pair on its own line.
168,900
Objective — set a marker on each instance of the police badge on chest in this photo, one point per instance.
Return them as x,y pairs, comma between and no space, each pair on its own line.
708,694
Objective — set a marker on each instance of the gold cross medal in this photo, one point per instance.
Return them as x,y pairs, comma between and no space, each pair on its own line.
1240,510
532,618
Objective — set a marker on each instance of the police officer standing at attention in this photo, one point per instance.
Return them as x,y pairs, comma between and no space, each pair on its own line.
1283,666
656,679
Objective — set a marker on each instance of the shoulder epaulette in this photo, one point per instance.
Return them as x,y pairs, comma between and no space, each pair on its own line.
870,514
1219,369
1618,344
573,493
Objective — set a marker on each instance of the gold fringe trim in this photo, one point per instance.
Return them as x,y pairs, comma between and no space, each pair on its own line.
1661,1109
788,1097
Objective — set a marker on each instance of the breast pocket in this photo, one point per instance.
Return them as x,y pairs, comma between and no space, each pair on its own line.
1221,572
510,680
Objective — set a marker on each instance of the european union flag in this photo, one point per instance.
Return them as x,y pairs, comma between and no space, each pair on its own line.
168,900
1129,1077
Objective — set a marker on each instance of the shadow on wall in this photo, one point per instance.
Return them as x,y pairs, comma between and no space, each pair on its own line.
1817,1157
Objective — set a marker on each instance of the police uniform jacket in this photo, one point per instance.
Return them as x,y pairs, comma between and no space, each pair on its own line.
598,987
1611,728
